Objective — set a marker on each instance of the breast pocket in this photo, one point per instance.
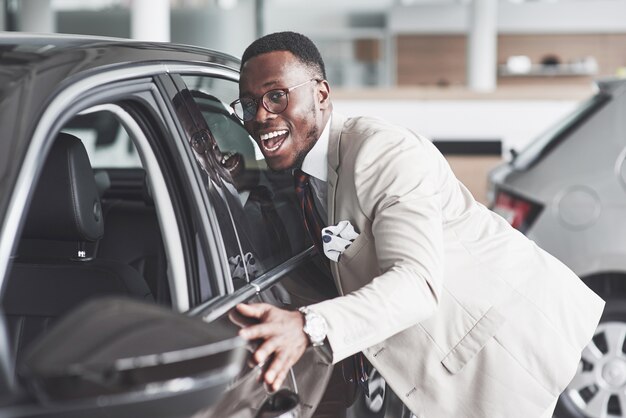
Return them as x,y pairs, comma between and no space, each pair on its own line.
354,248
358,264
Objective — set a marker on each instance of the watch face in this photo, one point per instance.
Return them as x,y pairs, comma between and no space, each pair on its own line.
315,328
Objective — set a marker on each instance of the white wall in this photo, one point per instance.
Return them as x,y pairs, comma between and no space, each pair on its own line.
293,18
598,16
229,31
514,122
36,16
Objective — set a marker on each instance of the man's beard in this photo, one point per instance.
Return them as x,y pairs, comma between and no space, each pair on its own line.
301,155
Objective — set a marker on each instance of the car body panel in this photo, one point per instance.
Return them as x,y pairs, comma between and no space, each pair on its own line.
581,188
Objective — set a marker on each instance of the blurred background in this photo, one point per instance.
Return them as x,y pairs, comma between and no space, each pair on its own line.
480,78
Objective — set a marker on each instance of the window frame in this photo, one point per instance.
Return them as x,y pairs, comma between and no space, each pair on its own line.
102,88
210,234
166,214
212,309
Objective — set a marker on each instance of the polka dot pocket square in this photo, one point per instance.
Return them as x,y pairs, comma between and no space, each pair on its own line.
336,239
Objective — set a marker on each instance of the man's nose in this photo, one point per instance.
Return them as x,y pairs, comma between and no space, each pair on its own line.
262,114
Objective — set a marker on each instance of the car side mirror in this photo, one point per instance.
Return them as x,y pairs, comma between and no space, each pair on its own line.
111,356
281,404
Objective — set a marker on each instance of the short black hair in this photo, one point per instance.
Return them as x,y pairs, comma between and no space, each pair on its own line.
299,45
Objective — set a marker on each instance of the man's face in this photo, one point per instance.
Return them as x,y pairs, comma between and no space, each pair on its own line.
285,138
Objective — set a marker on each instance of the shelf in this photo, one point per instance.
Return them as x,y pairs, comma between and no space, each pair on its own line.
562,70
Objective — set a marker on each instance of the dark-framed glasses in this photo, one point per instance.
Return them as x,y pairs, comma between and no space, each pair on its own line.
274,101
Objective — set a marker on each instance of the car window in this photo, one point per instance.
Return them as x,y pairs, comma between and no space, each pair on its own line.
548,140
88,233
106,141
265,210
132,233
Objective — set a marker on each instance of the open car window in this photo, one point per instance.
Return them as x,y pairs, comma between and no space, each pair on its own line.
132,224
94,232
107,143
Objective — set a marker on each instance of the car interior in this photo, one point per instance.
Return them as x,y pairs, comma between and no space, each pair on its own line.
88,234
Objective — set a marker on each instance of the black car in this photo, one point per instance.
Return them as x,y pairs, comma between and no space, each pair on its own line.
135,213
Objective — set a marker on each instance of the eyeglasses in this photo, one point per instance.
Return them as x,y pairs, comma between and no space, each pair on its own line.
274,101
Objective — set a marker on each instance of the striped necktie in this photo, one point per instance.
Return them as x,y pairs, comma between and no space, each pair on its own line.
354,368
312,219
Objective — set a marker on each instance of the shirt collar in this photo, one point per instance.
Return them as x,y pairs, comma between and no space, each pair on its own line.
316,161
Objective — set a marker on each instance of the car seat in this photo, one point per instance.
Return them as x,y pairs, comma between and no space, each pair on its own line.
54,269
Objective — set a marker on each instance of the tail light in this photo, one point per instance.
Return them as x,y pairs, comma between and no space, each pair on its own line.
520,212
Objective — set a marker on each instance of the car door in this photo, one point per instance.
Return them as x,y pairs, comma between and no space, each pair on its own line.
115,355
261,214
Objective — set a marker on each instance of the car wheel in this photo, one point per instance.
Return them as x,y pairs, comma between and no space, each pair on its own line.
373,406
406,413
598,390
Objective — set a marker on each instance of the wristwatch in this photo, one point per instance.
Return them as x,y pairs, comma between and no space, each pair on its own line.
314,326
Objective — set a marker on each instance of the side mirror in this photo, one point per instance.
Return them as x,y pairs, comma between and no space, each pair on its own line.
281,404
124,358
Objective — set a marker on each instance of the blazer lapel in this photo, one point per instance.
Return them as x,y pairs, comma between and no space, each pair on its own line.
336,126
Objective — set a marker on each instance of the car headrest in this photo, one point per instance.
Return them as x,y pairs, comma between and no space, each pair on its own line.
66,204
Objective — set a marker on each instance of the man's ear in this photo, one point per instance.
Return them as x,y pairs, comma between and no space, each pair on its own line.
323,91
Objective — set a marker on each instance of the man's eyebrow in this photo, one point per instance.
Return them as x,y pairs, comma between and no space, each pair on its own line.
265,85
271,83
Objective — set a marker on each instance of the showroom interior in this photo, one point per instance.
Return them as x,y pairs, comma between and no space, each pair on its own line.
483,78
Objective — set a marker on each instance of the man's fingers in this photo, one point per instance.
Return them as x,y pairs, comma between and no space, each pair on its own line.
238,319
265,350
277,371
283,338
255,310
254,332
280,378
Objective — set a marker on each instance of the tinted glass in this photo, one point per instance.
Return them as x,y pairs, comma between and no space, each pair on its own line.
265,210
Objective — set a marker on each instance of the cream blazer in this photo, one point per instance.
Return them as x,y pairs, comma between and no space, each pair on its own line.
460,313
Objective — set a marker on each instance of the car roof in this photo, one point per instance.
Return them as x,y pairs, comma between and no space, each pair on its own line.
45,45
23,55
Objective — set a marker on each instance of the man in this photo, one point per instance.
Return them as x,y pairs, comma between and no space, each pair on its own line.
460,313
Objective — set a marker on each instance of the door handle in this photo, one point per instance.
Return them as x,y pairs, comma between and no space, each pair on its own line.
281,404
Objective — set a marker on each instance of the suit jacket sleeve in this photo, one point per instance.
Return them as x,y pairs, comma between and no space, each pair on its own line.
399,180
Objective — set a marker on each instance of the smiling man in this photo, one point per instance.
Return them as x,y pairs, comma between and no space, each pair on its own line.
285,140
460,313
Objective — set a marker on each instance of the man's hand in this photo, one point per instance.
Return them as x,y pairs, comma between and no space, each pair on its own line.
282,336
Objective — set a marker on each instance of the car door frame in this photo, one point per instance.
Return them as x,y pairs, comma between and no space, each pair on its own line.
213,235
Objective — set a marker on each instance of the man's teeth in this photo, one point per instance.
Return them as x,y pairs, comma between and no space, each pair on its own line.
227,156
274,134
274,148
